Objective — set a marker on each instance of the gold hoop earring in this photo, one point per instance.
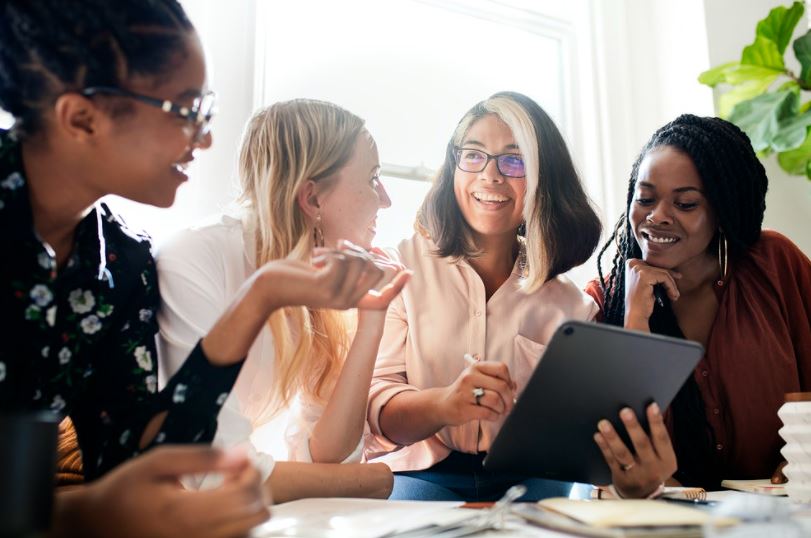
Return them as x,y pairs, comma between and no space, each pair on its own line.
723,259
318,234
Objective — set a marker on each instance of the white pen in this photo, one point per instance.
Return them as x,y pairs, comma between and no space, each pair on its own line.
469,359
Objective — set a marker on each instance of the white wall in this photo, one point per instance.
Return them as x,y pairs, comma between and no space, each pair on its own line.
227,32
788,202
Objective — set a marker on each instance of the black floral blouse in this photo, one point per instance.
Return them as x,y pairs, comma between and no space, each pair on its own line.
81,341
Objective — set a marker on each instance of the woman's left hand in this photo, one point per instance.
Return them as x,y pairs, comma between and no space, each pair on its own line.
637,476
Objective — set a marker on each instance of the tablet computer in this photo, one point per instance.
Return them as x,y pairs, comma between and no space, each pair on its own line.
588,372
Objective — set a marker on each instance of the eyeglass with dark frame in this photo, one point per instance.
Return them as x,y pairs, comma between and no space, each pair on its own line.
476,160
199,114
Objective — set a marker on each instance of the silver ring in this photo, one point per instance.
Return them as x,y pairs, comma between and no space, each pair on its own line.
478,392
627,466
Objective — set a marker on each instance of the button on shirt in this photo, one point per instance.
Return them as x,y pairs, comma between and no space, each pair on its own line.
80,340
444,313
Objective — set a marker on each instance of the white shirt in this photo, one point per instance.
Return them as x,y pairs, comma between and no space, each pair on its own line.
442,314
199,272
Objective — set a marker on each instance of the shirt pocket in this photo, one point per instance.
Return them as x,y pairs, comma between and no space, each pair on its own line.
526,356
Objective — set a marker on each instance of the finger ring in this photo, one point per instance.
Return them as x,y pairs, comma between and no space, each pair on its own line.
627,466
478,392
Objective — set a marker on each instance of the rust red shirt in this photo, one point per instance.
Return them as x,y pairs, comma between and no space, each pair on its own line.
758,350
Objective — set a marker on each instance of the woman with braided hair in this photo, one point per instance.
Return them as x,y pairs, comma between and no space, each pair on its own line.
692,262
111,98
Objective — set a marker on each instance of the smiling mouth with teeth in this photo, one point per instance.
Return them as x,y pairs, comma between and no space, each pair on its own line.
659,239
489,197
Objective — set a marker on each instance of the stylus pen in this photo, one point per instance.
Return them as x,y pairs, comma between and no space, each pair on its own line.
469,359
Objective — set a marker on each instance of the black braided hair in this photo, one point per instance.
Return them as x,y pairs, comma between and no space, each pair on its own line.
49,47
735,184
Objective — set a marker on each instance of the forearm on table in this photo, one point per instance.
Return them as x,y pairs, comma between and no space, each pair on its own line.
298,480
412,416
340,428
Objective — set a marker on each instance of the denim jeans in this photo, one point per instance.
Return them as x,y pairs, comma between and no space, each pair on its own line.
461,477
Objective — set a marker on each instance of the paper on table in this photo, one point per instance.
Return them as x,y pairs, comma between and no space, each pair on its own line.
356,518
629,513
763,486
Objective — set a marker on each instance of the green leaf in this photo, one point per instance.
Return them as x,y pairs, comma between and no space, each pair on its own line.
760,117
802,49
808,170
745,72
763,52
791,133
778,26
796,161
743,92
716,75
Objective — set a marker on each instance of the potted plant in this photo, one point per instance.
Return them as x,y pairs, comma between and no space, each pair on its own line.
767,100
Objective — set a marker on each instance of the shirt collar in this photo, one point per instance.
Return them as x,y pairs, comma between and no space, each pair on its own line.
15,210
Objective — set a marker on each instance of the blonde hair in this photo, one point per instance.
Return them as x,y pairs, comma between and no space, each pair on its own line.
561,227
284,146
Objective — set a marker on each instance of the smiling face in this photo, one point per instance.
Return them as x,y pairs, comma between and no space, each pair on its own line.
350,200
491,203
670,216
149,150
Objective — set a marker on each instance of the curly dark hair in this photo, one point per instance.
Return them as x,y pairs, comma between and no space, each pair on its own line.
50,47
735,185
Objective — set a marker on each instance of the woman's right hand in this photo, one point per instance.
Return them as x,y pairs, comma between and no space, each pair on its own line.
640,281
458,404
336,279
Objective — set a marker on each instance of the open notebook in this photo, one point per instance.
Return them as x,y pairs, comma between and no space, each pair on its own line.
620,518
763,486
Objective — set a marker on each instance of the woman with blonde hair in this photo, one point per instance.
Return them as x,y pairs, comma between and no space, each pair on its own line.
505,218
309,173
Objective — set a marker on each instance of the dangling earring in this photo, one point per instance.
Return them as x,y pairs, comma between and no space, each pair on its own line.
723,249
318,234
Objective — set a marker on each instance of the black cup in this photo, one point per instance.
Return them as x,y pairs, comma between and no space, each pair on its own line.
27,472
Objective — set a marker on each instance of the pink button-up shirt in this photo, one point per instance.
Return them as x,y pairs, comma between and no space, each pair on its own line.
442,314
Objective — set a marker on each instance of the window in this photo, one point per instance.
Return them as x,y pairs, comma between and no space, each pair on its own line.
411,69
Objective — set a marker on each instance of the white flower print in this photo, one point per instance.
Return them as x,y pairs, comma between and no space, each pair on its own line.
143,278
44,260
37,394
145,314
221,398
2,371
144,358
124,438
91,324
104,311
64,355
50,316
151,383
12,182
161,437
45,351
179,395
81,302
58,404
41,295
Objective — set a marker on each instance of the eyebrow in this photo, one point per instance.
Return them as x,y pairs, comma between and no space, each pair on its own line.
651,186
477,143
